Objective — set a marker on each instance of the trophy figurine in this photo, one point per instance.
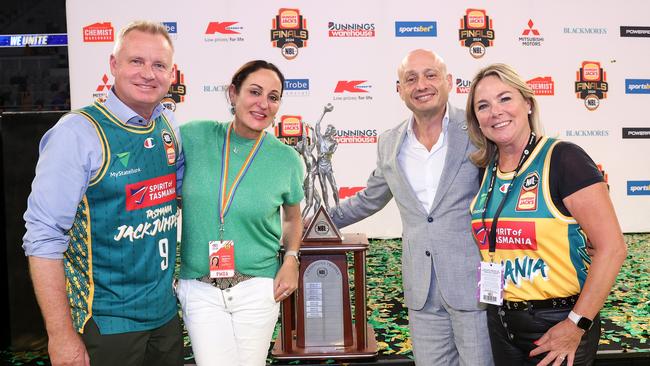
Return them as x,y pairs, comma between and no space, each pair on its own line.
326,146
305,148
321,226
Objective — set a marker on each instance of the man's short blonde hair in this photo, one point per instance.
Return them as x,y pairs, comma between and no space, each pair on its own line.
145,26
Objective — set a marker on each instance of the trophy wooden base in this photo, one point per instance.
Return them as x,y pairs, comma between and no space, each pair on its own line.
317,353
358,337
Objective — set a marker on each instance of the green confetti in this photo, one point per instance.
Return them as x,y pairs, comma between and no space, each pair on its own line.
625,316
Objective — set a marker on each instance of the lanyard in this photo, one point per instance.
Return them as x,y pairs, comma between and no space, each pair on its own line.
492,234
226,196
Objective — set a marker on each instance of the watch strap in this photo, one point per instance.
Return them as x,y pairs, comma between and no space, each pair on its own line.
579,320
294,254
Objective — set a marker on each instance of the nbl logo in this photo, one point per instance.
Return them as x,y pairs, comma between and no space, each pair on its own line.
591,84
177,90
289,32
476,32
528,194
322,228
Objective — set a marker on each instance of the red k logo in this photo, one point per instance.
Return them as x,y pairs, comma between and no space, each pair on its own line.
221,27
352,86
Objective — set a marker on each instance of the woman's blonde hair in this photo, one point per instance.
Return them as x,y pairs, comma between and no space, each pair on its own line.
508,75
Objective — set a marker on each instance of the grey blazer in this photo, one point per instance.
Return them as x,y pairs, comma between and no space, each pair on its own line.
439,239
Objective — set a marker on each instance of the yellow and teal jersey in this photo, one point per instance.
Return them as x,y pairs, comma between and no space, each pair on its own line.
542,251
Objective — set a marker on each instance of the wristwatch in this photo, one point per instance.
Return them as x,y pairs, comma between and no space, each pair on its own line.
293,253
582,322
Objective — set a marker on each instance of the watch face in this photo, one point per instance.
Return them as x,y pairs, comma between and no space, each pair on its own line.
584,323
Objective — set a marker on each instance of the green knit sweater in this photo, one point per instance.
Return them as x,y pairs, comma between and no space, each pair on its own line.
253,222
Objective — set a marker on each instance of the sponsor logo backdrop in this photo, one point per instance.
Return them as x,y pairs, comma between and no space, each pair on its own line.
588,66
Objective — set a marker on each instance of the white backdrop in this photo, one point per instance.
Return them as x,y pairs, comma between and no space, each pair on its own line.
213,38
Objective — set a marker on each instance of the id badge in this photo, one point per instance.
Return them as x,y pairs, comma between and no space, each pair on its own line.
222,258
490,283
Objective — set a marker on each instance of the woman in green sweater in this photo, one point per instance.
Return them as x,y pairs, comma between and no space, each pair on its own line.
237,178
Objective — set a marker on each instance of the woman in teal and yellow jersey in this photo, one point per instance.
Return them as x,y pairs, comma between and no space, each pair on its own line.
550,241
238,178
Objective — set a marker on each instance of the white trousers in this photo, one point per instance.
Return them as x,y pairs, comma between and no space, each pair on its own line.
231,327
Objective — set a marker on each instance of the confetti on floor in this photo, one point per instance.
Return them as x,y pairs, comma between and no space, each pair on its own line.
626,314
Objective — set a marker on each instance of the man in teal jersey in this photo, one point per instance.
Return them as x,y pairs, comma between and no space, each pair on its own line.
101,218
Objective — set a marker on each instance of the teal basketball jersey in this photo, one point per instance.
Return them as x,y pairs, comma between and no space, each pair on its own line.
120,260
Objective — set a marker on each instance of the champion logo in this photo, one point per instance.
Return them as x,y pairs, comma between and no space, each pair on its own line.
148,143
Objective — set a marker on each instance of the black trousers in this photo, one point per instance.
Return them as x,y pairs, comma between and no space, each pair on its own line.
162,346
512,333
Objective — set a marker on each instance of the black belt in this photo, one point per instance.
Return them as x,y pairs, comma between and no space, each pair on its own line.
557,303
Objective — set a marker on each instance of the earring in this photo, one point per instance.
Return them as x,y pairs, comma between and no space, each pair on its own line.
232,108
273,123
530,111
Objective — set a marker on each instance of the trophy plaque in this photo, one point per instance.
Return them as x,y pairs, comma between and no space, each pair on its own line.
323,294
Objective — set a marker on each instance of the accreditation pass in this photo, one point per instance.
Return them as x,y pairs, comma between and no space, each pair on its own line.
490,283
222,258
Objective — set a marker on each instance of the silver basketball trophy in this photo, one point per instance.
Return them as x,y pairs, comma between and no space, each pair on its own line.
321,227
317,322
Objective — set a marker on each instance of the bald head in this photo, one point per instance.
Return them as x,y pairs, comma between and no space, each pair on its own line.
421,55
424,84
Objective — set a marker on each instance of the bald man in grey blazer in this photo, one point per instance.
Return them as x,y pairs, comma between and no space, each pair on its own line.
423,163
